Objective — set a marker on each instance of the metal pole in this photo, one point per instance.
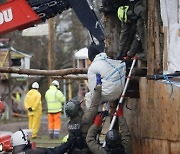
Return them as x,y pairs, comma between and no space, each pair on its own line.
122,96
64,91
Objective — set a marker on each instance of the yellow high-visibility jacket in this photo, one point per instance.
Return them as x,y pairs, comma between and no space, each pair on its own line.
33,100
54,99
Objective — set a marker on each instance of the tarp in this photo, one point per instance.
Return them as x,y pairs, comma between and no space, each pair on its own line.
171,19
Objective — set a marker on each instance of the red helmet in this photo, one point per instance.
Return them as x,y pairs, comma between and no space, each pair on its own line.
2,107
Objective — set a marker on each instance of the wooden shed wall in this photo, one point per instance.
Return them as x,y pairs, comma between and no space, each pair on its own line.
155,123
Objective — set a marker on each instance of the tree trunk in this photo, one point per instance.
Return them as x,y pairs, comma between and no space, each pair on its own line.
112,35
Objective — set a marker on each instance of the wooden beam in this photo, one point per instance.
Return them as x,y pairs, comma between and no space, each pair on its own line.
72,77
165,59
151,43
157,56
51,57
43,72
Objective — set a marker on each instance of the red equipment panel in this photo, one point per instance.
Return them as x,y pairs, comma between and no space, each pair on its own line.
16,14
6,141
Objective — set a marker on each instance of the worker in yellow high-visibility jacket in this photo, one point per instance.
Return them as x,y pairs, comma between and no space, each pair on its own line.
33,106
55,100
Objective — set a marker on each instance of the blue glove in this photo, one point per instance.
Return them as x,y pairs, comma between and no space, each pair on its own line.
98,79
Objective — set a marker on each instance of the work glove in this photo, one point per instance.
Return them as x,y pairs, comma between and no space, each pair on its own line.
98,79
119,112
126,58
30,109
98,120
104,113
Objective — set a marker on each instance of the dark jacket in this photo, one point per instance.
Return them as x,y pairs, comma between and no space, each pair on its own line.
132,32
79,125
96,148
56,150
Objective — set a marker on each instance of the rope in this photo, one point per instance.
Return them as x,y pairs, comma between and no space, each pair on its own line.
166,78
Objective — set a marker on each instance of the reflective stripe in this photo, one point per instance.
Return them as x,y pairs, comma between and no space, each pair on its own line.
56,132
122,13
55,110
50,131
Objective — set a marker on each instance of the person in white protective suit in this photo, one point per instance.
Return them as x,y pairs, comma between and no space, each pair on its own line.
113,73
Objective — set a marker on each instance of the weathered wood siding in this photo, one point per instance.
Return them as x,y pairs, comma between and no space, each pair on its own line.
155,123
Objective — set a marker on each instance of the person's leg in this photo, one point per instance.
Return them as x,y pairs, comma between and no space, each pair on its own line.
57,124
124,36
30,121
36,125
140,11
135,46
50,125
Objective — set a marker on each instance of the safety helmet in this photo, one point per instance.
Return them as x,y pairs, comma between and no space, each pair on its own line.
113,139
72,108
55,83
20,141
35,85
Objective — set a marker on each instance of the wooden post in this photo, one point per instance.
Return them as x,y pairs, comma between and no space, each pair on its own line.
150,48
154,57
69,90
51,58
112,31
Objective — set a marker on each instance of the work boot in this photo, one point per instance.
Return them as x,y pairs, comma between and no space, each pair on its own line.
51,136
56,136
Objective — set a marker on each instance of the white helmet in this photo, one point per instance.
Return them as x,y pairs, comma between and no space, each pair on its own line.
35,85
20,141
19,138
55,83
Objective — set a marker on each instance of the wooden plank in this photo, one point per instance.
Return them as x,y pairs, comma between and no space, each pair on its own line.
154,146
175,148
150,36
150,94
159,118
158,55
130,112
170,108
165,58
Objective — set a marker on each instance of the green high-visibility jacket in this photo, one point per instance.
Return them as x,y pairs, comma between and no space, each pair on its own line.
54,99
122,13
